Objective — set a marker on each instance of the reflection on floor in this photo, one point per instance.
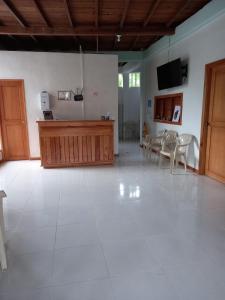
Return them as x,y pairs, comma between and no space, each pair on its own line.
127,232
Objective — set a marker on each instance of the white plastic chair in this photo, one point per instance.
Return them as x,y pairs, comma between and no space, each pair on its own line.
175,149
155,143
168,146
146,142
2,233
181,150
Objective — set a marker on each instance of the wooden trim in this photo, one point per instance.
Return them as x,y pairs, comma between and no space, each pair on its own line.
35,158
25,117
205,114
86,31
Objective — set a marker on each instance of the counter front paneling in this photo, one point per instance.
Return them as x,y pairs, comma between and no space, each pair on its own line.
75,143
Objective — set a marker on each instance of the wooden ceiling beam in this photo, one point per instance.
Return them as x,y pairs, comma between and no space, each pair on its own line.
86,31
42,13
68,12
15,13
96,13
125,10
151,12
178,13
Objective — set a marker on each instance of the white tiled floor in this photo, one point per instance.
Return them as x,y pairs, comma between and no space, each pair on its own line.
127,232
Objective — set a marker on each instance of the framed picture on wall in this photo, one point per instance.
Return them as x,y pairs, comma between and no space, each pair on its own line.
176,113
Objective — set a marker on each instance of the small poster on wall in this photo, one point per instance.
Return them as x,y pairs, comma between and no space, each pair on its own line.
149,105
176,113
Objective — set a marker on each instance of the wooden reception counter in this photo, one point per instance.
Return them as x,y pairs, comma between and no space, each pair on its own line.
75,143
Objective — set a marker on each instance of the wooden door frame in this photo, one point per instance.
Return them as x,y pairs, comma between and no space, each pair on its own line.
21,81
205,114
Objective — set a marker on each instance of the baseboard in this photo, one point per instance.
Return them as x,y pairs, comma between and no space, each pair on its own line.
35,158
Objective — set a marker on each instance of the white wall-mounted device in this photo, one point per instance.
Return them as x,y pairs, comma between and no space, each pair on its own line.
45,100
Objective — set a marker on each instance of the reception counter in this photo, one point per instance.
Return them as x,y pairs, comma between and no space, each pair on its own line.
75,143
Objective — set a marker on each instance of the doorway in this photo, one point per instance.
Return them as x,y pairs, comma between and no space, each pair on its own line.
13,121
129,103
212,155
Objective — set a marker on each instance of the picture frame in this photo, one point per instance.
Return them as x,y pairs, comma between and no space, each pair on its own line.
64,95
176,114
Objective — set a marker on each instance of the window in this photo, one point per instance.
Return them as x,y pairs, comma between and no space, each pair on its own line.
120,80
134,80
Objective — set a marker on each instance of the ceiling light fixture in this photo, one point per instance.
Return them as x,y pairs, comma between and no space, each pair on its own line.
118,37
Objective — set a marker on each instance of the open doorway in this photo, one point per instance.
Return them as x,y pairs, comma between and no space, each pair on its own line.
129,85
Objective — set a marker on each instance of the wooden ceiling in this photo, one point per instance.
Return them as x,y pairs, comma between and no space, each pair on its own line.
64,25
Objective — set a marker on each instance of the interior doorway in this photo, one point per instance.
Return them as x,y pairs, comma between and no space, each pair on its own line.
13,121
129,102
212,156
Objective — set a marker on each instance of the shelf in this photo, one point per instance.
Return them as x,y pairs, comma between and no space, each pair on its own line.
164,108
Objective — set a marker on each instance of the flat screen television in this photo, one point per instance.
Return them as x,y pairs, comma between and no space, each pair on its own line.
170,74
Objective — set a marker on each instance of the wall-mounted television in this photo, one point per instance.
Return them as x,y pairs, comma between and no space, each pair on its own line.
170,74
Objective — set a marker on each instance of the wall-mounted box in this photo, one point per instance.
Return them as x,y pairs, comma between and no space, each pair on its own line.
45,100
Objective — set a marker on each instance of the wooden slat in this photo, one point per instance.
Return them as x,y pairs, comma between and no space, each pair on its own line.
80,148
57,145
71,149
75,150
93,148
97,148
84,147
89,148
106,147
67,150
101,147
62,149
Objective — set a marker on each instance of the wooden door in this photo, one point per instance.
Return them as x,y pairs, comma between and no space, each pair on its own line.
215,153
13,120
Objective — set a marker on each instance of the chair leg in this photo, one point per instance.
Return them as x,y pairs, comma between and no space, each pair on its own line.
185,163
2,251
176,163
172,159
150,153
160,160
2,224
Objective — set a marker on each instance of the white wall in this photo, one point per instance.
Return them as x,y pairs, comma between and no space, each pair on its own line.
204,46
62,71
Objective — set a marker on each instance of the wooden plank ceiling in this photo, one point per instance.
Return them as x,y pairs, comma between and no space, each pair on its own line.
64,25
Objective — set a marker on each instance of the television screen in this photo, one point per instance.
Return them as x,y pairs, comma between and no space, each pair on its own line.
169,75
